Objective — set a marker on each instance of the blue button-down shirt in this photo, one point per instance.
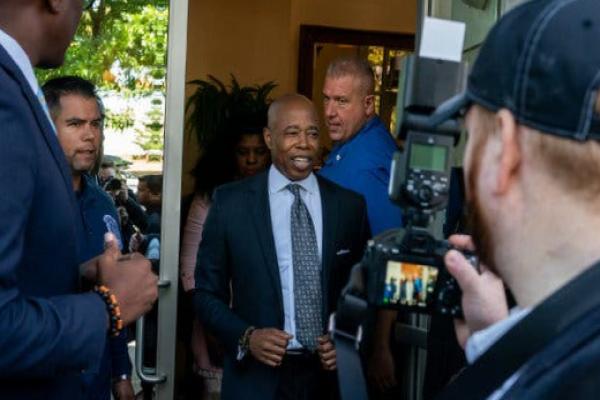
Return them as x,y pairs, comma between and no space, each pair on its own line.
100,216
362,164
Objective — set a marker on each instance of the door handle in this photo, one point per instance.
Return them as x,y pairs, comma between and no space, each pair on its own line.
164,283
139,347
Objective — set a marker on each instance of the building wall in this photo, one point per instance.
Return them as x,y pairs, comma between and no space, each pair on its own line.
257,40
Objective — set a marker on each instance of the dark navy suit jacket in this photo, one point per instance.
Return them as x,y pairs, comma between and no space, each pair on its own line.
238,248
569,366
48,332
568,369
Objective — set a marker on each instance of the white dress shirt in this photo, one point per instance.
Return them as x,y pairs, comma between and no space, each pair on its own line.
18,55
280,201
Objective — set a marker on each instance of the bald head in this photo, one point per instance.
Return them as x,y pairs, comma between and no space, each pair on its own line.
292,135
285,102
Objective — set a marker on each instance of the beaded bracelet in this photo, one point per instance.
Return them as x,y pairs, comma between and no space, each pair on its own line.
112,306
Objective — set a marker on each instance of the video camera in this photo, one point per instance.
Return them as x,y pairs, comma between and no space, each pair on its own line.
404,267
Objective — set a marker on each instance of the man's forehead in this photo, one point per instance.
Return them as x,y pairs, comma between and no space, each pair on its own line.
73,103
301,125
346,83
294,113
73,99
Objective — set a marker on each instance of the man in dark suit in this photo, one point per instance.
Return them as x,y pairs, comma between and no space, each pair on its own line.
50,332
284,242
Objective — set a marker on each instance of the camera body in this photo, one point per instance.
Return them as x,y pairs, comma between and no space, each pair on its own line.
407,272
404,268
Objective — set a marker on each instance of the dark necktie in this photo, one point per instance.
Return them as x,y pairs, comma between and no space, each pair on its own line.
307,273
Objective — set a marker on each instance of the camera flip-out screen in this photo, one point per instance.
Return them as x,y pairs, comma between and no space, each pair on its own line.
428,157
409,284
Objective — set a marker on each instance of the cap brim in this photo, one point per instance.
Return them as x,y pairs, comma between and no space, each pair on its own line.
448,109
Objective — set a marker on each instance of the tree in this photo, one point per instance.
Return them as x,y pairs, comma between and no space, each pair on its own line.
120,45
150,139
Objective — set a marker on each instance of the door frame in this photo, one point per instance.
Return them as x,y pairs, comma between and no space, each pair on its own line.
171,198
312,34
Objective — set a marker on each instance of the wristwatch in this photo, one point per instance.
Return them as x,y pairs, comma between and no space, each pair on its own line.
120,378
244,343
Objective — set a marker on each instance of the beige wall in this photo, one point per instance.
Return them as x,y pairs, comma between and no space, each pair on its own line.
257,40
247,38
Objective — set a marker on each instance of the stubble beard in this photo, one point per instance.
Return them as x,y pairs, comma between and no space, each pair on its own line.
478,224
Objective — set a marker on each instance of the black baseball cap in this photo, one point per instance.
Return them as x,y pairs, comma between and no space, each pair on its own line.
541,61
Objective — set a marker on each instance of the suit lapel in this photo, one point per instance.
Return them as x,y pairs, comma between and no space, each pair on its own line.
329,207
261,215
42,120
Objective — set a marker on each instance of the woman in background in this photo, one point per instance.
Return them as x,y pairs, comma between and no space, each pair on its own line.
238,156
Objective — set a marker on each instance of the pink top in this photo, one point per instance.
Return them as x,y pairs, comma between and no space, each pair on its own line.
192,235
190,242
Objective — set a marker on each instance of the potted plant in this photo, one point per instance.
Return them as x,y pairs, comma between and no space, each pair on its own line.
214,108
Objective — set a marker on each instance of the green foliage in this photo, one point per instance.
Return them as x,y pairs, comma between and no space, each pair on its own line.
119,121
215,109
151,138
129,36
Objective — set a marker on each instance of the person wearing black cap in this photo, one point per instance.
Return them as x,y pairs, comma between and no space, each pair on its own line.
532,168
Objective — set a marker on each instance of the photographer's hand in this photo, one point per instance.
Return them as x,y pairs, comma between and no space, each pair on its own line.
483,296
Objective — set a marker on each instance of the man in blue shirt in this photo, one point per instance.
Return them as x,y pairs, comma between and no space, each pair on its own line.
360,161
76,113
363,148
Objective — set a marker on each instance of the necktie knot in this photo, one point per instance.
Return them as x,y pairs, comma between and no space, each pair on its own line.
295,189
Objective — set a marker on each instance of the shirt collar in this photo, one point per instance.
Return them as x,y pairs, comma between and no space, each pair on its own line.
482,340
18,55
88,186
340,149
278,181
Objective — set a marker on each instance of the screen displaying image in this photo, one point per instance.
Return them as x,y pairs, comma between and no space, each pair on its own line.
409,284
428,157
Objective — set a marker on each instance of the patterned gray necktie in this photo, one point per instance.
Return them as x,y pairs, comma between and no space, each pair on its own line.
307,273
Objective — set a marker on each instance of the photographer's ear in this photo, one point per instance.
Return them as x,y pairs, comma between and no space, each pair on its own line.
510,150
